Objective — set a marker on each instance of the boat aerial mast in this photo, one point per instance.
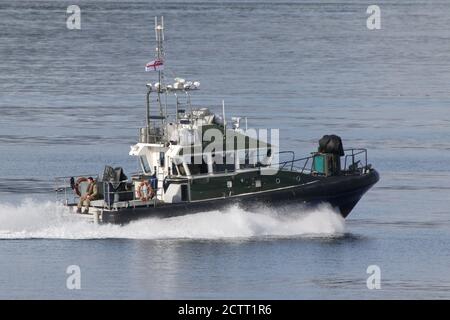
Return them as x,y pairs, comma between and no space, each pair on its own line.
159,87
180,88
160,56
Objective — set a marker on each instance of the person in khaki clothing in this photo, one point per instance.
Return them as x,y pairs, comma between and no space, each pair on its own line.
91,194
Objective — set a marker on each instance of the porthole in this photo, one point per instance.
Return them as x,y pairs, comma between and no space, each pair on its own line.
298,178
277,180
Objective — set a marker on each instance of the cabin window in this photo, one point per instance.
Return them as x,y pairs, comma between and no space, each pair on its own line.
161,159
195,168
228,164
145,165
174,170
181,170
246,159
184,192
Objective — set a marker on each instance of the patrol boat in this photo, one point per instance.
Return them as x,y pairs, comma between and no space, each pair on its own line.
193,160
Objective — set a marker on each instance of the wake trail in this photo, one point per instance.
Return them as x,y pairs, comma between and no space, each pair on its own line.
31,219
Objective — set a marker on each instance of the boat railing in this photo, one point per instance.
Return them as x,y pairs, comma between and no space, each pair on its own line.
62,185
112,196
151,135
354,158
113,193
300,164
65,192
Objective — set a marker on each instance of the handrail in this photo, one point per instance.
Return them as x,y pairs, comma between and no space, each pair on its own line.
67,185
291,162
77,176
109,205
353,153
293,157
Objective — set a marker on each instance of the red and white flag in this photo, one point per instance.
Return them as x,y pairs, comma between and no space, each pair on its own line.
154,65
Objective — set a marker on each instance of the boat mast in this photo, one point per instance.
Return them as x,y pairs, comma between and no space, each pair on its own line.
160,56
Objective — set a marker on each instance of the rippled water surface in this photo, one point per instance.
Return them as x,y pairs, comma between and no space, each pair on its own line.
72,101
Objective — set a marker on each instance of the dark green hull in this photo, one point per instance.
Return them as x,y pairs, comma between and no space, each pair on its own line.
342,192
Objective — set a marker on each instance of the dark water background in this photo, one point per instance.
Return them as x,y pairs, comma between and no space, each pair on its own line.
72,100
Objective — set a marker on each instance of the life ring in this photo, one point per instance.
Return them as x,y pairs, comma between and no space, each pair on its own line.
145,196
77,185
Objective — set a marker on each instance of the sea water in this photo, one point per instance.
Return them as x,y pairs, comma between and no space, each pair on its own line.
72,101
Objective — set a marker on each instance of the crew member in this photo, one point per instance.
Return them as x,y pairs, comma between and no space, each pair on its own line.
91,194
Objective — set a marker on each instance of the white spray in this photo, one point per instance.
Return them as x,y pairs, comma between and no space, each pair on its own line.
49,220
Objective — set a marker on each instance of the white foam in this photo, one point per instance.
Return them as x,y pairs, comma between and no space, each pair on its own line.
48,220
